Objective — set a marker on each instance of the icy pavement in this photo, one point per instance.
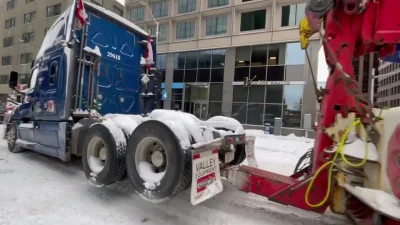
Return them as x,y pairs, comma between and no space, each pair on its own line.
39,190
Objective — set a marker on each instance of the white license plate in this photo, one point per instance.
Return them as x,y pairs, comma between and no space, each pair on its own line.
206,178
229,156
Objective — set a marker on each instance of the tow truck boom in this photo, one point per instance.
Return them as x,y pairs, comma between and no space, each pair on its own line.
355,161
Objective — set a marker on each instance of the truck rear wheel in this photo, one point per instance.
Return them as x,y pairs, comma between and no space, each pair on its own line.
102,159
156,164
11,134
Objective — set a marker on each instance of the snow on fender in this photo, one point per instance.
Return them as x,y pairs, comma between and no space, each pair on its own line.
225,122
103,153
125,123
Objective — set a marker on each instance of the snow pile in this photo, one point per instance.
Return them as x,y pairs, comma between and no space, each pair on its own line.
278,154
151,178
80,112
125,123
26,125
95,51
201,144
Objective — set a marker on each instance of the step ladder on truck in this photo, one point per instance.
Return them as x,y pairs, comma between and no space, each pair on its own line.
83,72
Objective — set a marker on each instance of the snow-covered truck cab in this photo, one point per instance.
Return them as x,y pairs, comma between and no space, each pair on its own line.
83,72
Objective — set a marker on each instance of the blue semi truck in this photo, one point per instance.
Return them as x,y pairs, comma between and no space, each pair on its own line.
90,96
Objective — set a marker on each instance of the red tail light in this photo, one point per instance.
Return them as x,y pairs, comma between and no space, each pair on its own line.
393,162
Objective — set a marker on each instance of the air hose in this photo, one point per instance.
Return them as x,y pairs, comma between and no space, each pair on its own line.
339,152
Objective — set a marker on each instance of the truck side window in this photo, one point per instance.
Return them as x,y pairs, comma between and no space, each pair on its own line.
32,82
53,73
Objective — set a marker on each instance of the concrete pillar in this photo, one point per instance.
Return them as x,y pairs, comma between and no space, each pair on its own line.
309,97
277,126
227,89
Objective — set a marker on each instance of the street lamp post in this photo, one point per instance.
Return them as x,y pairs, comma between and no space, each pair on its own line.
144,2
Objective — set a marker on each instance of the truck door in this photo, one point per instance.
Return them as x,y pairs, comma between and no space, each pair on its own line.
50,96
50,103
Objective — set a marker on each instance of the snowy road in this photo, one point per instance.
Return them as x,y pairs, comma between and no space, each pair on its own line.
35,189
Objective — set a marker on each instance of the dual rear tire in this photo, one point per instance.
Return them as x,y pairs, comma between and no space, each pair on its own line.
153,160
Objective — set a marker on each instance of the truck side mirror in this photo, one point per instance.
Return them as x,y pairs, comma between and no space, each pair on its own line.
13,81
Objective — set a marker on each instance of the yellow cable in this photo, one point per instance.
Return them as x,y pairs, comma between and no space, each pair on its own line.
340,152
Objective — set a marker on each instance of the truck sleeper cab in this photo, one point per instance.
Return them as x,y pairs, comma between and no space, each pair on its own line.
96,68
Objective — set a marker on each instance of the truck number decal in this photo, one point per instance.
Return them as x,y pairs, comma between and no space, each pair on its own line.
113,55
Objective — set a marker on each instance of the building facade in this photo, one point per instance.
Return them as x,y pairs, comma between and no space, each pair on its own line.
23,25
388,93
239,58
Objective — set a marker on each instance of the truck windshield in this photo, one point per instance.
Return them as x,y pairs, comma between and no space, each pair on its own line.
32,82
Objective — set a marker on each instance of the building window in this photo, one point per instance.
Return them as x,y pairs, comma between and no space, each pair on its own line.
202,73
8,42
294,54
29,1
186,6
23,78
185,30
162,32
216,25
29,17
28,37
4,79
53,10
6,60
292,14
137,14
10,23
161,65
26,58
276,87
217,3
11,5
160,9
254,20
118,11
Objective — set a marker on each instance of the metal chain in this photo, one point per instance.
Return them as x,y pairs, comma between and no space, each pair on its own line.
316,89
